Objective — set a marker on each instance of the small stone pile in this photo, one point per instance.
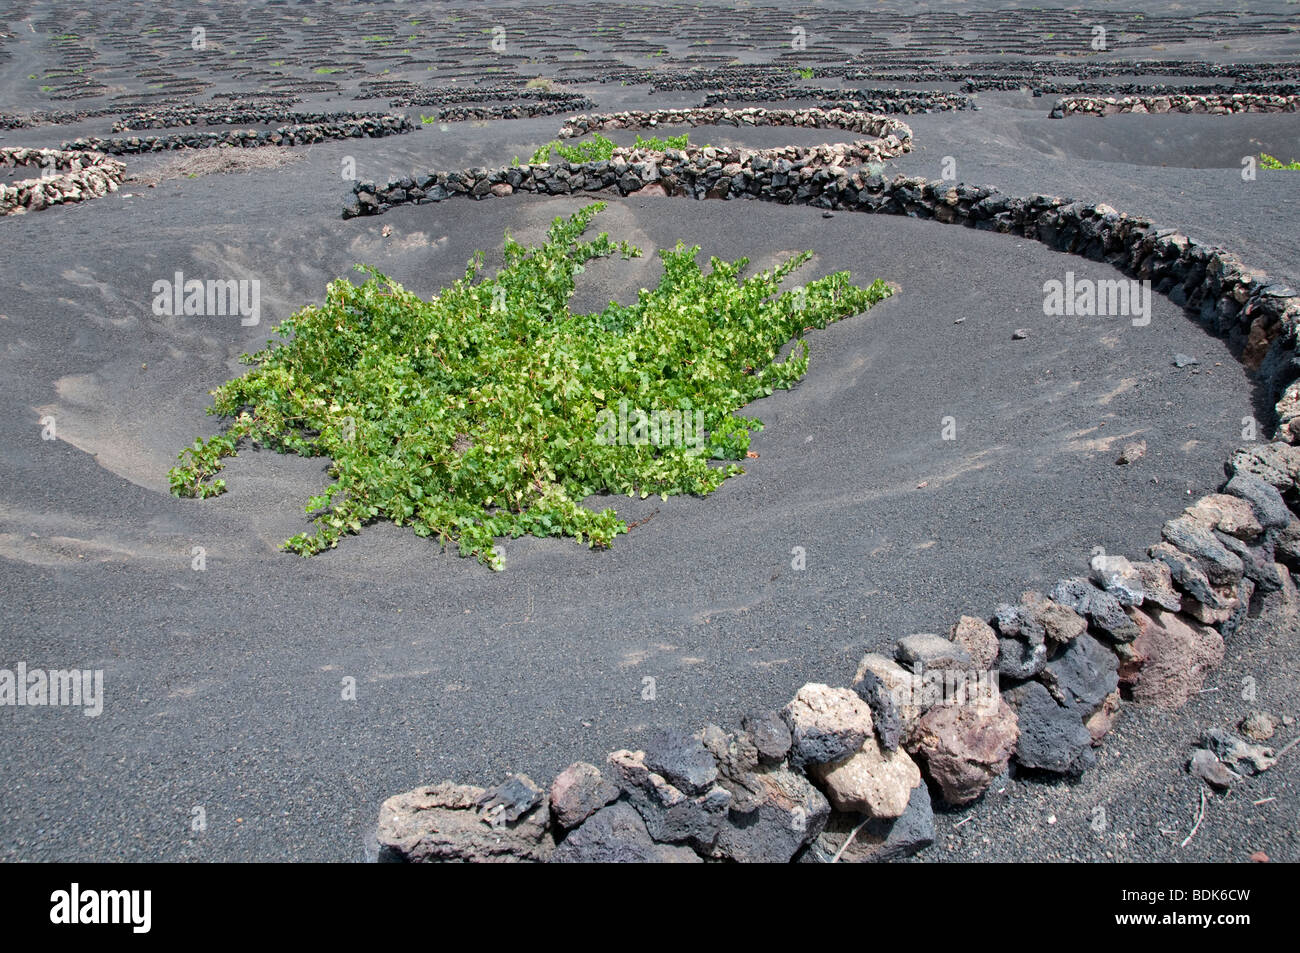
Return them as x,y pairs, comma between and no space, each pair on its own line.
1211,103
82,175
372,127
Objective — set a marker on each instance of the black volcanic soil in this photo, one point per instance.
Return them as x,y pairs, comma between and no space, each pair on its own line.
223,686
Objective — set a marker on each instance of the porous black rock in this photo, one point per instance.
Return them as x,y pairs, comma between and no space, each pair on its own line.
617,835
682,760
770,733
885,719
1052,735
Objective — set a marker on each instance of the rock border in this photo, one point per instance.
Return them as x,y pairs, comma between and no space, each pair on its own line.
1218,104
845,773
374,126
86,175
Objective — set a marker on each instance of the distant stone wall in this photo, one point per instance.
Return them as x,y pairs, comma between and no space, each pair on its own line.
215,114
527,110
367,127
813,118
1209,103
881,101
82,176
846,773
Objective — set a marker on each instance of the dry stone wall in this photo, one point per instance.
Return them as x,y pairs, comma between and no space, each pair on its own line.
76,177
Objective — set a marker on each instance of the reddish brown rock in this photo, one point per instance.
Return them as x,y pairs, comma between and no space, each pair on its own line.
978,639
1100,722
1170,658
965,747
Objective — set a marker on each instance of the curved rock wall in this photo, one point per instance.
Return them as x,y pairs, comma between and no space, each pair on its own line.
85,175
294,135
1213,103
845,773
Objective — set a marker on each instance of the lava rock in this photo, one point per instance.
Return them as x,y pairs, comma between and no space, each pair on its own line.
442,822
1274,463
669,814
1220,565
1264,497
1084,673
617,835
877,840
1226,513
869,781
1022,648
1061,624
790,814
578,792
1170,658
1187,575
770,733
826,724
965,747
1052,736
884,713
1158,585
978,639
511,799
1101,608
682,760
903,687
737,759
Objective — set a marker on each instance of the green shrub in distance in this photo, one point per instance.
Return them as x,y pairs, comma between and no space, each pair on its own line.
599,148
1267,161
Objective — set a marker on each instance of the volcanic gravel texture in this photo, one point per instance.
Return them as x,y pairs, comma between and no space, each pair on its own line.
223,686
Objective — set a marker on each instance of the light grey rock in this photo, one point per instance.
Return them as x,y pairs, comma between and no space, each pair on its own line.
443,823
1117,576
1204,765
925,650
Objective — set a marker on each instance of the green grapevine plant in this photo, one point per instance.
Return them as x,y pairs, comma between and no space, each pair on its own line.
473,416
